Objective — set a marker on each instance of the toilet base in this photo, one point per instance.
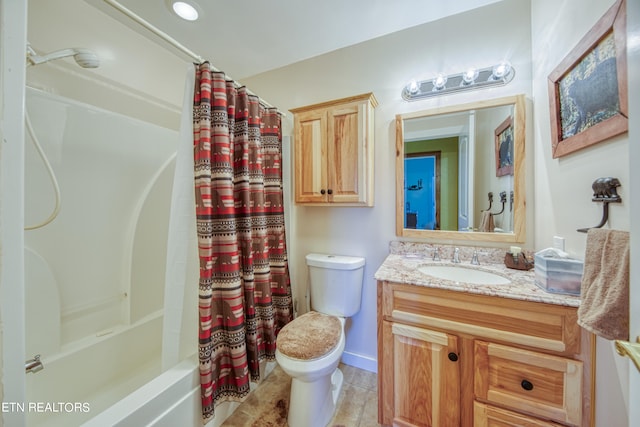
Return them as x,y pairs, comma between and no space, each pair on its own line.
313,404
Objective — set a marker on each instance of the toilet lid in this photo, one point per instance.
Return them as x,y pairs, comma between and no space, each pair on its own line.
309,336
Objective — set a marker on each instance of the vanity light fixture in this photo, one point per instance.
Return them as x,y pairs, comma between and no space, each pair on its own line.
497,75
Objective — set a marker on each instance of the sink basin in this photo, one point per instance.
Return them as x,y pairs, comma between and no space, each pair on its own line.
463,275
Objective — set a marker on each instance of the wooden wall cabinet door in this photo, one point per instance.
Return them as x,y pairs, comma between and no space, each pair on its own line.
425,389
333,152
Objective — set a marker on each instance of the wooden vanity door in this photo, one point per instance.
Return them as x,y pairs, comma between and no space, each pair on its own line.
426,385
546,386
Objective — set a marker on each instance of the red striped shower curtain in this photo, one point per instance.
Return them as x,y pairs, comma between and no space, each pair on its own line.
244,288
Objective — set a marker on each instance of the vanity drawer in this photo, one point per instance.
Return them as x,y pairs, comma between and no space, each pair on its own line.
491,416
538,326
545,386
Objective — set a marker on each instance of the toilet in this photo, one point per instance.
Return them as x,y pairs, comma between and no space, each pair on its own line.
309,348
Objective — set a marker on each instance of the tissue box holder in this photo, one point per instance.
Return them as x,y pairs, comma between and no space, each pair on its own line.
558,275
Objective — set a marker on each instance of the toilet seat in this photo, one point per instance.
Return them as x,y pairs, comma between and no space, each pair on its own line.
310,336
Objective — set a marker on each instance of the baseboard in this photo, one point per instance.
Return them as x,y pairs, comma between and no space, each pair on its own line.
360,361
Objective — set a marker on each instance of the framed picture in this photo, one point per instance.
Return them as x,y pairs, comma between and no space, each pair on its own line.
504,148
588,89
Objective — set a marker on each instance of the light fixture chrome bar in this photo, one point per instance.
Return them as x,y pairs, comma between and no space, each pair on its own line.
469,80
173,42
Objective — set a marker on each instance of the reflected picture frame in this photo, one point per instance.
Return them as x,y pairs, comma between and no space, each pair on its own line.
588,99
504,148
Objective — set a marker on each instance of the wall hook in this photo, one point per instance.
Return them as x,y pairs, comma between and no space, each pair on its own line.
503,200
490,195
605,191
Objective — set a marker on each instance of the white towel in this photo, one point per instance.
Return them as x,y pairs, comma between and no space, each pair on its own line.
604,309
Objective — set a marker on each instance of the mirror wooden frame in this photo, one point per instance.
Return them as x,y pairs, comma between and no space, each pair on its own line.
519,212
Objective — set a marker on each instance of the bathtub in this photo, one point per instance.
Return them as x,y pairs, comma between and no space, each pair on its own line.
93,373
172,399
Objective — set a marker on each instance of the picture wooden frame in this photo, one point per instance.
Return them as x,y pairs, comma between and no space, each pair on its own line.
588,99
504,148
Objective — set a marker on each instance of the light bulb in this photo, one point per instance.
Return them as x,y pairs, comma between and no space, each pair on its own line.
185,10
412,87
501,70
439,82
470,76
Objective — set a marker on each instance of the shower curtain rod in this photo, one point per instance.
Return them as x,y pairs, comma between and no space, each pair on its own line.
173,42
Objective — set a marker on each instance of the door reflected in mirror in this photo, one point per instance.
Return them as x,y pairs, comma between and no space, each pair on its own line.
460,172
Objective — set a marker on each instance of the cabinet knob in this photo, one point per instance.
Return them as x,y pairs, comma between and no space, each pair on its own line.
322,191
527,385
453,357
330,191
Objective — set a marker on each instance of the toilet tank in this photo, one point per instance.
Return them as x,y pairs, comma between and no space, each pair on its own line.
335,282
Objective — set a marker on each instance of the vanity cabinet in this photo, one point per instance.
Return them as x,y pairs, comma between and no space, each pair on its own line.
450,358
333,152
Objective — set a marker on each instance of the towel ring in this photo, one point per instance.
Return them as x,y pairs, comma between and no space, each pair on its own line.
605,191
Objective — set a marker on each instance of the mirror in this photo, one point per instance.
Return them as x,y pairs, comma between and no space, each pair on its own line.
460,172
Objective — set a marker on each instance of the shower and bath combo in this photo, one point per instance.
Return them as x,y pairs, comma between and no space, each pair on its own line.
85,59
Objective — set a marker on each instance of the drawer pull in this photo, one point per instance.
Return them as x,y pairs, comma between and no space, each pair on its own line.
453,357
322,191
527,385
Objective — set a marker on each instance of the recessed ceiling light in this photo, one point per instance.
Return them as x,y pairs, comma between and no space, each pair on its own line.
185,10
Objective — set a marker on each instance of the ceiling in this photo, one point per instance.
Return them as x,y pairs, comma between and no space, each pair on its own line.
244,38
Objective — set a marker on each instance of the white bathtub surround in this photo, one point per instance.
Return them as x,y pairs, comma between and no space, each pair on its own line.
92,275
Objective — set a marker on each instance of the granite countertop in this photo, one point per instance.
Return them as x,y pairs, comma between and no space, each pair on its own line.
402,267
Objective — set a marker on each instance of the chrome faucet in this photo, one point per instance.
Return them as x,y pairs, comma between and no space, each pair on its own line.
456,256
436,254
33,365
474,259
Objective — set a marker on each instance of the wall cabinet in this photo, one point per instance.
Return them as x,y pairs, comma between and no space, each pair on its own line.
448,358
334,151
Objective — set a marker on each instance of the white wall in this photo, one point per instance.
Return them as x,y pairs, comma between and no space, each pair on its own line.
480,38
563,186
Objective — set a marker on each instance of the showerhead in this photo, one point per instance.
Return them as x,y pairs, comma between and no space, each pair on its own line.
83,57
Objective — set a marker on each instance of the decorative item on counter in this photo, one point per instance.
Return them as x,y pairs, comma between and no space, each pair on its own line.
558,273
517,260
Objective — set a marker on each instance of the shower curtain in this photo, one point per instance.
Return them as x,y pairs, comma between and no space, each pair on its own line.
244,288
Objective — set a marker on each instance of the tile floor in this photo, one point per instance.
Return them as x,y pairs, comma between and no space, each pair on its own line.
267,406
